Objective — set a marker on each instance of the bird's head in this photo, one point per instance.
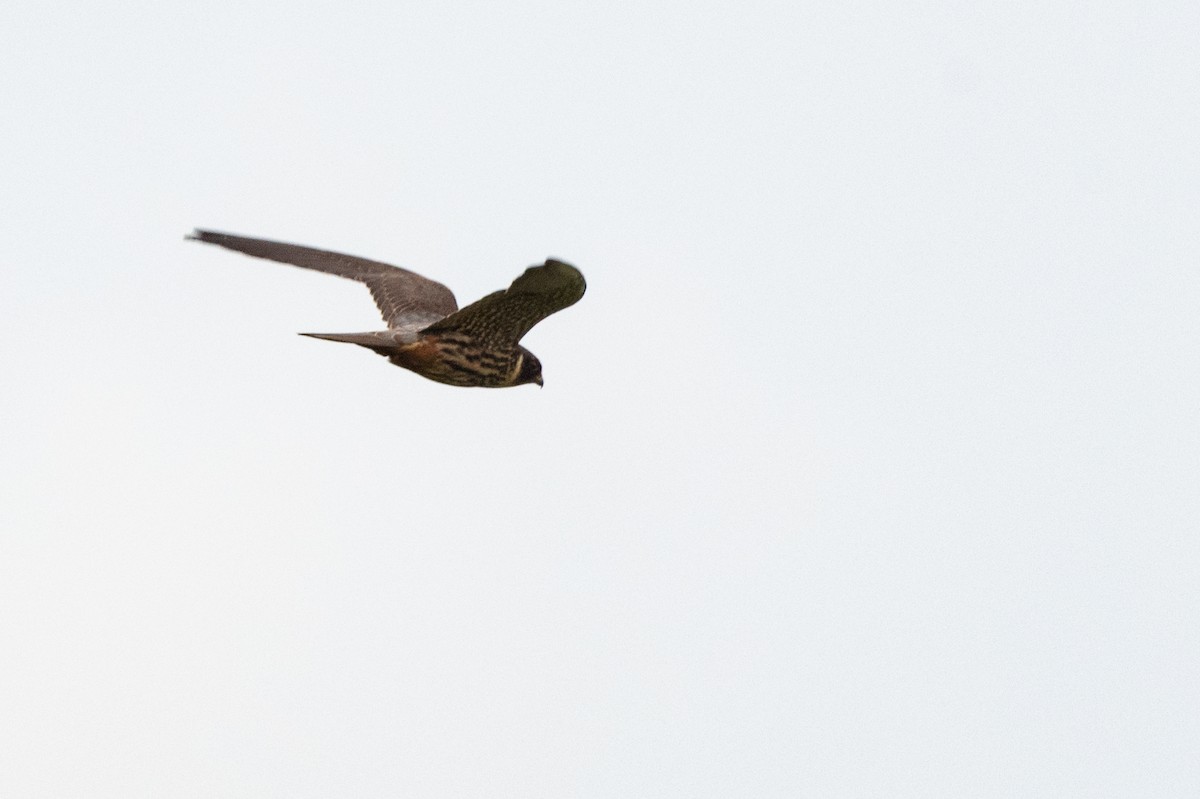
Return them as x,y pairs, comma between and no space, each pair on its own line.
531,369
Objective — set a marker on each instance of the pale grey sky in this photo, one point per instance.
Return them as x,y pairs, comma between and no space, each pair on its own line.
868,466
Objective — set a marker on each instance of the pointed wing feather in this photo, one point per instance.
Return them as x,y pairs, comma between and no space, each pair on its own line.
405,299
503,317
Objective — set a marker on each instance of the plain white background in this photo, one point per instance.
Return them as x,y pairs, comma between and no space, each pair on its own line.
868,465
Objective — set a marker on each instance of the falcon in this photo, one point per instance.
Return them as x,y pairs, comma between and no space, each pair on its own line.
426,332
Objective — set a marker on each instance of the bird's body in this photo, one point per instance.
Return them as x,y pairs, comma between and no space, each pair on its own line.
427,333
453,359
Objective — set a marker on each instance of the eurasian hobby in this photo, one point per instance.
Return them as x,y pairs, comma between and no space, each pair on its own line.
427,333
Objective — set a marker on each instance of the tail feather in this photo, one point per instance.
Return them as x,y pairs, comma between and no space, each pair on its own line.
383,342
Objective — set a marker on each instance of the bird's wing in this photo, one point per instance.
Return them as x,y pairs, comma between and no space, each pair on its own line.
405,299
503,317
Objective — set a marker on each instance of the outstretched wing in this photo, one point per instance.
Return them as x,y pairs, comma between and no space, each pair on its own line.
405,299
503,317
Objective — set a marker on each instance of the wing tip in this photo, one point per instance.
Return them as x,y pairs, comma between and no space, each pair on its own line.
571,269
199,234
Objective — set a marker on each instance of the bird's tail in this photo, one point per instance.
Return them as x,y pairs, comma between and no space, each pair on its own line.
383,342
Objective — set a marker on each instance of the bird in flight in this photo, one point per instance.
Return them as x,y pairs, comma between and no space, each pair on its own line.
427,333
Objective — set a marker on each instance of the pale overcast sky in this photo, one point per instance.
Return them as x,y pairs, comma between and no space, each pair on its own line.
869,466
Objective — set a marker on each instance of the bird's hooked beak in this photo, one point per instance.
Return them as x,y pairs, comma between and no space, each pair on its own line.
538,380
